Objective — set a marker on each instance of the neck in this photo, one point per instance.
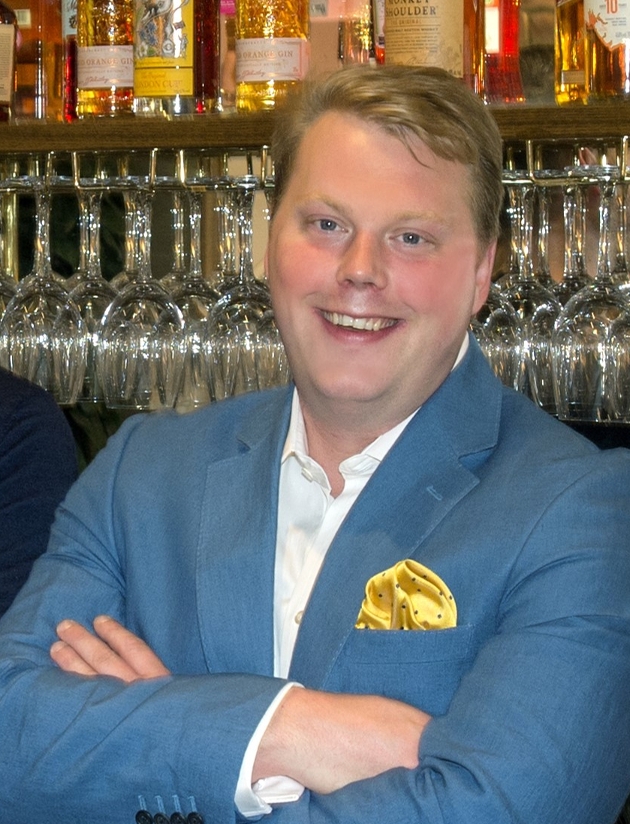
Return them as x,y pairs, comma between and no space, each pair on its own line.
335,436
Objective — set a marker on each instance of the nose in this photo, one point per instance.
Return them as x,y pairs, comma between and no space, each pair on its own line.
362,262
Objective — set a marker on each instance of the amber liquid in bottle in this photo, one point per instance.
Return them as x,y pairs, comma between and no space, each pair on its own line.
272,42
442,33
104,57
570,54
176,58
607,25
8,33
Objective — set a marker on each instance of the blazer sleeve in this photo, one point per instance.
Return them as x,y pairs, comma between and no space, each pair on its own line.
77,749
538,730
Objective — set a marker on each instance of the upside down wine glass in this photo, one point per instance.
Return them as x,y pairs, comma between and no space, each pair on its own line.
241,329
41,330
581,348
141,352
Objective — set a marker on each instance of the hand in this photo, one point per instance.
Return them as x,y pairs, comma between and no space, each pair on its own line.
327,740
112,651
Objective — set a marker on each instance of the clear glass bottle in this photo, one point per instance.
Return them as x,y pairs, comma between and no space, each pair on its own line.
176,57
569,53
503,82
607,24
104,58
272,50
8,37
445,33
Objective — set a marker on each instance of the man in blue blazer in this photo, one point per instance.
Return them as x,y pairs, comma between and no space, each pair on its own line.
205,575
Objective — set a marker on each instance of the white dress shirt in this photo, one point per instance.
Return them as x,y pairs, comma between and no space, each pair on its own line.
308,520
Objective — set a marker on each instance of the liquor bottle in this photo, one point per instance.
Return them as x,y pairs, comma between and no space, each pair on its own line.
39,61
444,33
569,53
104,58
503,82
8,37
176,56
607,24
69,35
29,101
272,51
227,51
356,33
52,54
378,30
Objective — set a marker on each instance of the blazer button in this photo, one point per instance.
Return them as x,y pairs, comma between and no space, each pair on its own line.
160,818
177,818
144,817
194,818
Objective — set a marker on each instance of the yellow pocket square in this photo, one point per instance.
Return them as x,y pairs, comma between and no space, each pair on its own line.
407,596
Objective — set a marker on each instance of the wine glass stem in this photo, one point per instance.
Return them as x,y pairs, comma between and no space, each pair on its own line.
607,192
245,207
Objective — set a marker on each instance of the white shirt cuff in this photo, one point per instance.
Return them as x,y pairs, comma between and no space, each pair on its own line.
254,801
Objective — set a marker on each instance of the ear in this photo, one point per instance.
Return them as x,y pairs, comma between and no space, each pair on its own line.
483,276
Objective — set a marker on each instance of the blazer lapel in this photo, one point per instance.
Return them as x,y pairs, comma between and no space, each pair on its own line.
237,545
422,478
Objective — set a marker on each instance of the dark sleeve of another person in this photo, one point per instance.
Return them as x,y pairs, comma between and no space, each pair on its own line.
38,463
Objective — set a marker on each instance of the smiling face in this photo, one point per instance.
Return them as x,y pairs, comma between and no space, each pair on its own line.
374,269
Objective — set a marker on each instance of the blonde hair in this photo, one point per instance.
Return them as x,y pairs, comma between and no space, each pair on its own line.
405,101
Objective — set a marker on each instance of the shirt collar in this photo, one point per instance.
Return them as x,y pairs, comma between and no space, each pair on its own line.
296,444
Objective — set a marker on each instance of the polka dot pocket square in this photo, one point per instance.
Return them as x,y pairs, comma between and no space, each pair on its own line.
407,596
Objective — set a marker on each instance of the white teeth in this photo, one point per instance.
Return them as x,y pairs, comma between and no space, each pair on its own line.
367,324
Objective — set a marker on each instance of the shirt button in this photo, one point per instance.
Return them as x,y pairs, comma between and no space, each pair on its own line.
298,616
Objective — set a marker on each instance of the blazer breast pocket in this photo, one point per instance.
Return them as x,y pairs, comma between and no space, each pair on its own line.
422,668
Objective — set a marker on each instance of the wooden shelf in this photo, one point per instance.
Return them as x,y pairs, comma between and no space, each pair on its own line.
220,131
516,122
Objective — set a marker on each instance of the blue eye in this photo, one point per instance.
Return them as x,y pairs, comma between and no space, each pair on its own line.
411,238
327,225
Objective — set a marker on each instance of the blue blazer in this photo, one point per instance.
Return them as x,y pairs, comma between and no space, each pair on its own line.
172,531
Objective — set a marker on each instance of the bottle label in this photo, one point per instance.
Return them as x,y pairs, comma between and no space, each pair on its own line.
7,53
610,19
101,67
68,18
425,33
164,39
261,59
24,18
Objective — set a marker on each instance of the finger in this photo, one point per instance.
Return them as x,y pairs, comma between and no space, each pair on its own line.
131,649
68,660
94,652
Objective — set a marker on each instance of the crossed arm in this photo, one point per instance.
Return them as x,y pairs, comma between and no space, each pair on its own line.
322,740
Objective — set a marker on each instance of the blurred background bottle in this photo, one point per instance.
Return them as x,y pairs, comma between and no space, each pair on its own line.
570,55
356,33
39,60
104,57
69,36
447,33
8,47
378,30
607,24
176,56
503,82
272,50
